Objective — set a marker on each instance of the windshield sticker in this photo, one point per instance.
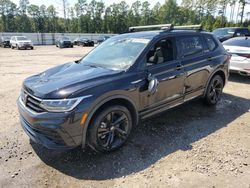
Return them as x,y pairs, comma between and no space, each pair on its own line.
144,41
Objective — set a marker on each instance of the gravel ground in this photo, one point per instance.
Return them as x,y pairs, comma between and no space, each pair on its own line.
189,146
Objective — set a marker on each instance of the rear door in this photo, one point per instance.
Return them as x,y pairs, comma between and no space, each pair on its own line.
195,63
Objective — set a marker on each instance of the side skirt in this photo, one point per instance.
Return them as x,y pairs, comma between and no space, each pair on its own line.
156,110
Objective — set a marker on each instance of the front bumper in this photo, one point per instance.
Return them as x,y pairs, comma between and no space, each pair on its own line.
25,46
67,45
52,130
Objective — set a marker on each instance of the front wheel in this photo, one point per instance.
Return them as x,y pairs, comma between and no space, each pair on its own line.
110,129
214,90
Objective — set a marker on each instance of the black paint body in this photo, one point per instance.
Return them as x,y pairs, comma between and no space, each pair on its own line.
180,80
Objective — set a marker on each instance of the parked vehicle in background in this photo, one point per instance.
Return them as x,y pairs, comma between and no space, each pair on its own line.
98,99
76,41
239,48
224,34
21,42
5,41
85,42
64,42
102,39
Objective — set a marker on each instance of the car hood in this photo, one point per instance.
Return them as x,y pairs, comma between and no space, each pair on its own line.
62,81
29,41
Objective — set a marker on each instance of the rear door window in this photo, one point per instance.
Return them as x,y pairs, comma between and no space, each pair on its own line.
190,45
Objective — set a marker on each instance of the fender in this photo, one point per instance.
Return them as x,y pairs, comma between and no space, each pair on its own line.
96,107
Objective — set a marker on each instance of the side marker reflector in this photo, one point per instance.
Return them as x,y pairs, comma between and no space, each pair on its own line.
84,117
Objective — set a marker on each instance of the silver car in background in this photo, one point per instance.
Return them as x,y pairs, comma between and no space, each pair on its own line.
21,42
239,48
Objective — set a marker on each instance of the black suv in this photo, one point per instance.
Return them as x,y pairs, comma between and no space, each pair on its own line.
224,34
64,42
97,100
5,41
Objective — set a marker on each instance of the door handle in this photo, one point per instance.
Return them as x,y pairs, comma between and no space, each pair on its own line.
210,59
179,67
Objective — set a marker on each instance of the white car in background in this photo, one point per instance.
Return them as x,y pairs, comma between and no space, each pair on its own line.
239,48
21,42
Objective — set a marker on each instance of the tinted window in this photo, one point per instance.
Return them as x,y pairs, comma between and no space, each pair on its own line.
210,43
223,32
163,51
244,42
191,45
243,32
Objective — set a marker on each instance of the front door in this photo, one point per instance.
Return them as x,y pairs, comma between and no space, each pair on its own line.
163,67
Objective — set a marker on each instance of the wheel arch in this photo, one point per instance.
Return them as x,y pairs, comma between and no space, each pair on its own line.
219,72
113,100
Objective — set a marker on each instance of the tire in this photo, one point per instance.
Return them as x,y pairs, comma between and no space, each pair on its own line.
17,47
12,47
32,48
214,90
104,135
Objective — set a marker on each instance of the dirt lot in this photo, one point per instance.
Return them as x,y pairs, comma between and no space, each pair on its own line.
189,146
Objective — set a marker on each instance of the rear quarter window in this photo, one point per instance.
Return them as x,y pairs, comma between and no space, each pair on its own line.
190,45
211,44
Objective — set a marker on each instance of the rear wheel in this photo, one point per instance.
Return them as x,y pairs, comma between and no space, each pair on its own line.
110,129
214,90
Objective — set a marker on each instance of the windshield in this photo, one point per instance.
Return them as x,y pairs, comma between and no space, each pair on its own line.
223,32
65,38
21,38
117,53
244,42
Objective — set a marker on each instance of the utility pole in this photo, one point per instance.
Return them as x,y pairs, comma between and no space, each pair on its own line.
65,7
243,4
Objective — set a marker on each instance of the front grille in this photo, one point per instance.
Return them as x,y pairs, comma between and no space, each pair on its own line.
31,102
67,42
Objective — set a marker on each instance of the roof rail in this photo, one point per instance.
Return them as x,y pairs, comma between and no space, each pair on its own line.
161,26
167,27
188,27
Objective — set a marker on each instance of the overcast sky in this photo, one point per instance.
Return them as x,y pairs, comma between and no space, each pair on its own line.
57,4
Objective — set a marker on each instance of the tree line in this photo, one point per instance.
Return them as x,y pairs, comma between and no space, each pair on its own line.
95,17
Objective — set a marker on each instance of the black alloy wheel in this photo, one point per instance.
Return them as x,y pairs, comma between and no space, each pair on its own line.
110,129
214,90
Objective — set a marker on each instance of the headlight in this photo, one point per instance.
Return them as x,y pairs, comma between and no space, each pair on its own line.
61,105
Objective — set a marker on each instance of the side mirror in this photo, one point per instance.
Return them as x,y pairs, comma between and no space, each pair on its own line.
152,85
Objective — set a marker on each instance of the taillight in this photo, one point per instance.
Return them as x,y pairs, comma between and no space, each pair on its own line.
244,55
